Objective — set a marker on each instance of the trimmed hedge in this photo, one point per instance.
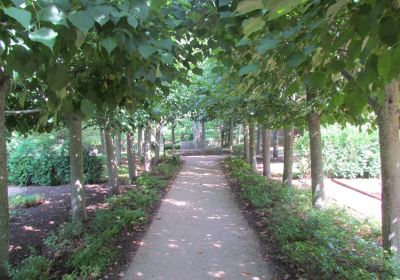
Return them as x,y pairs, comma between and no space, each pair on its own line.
327,244
44,161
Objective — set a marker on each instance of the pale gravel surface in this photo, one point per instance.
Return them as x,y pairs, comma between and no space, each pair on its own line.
199,232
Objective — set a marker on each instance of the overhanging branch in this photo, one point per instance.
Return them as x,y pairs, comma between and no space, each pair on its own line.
24,112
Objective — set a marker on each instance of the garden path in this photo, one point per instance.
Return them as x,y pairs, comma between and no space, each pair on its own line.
199,232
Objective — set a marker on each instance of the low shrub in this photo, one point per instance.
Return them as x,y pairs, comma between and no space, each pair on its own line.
328,244
347,152
25,201
32,268
91,247
43,160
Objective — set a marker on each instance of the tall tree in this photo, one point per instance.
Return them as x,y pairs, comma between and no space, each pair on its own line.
131,154
266,146
252,145
112,168
288,157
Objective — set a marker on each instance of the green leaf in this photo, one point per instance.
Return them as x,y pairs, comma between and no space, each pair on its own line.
252,25
197,71
335,8
295,59
316,80
44,35
384,64
20,15
109,43
244,42
165,44
101,14
247,6
54,15
251,68
80,38
266,44
387,32
133,21
58,77
146,51
157,4
167,58
88,108
82,20
279,8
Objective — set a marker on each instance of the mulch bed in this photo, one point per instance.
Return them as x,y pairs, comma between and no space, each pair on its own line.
30,226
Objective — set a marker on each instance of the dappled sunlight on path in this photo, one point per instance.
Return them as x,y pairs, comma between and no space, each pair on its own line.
199,232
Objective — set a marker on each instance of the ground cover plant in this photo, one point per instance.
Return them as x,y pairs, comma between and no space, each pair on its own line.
90,248
25,201
326,244
348,152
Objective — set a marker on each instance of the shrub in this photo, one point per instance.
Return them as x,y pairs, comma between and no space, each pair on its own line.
328,244
147,180
32,268
43,160
25,201
347,153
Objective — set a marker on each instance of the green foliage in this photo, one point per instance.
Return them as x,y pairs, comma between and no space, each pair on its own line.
25,201
32,268
43,160
91,246
328,244
347,153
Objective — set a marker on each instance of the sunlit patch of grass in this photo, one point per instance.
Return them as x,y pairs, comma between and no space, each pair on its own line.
25,201
123,171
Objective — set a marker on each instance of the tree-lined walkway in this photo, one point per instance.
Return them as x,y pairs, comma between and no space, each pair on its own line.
199,232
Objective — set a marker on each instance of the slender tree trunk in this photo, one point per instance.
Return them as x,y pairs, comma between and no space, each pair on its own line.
173,137
388,123
78,200
203,134
147,149
288,157
246,143
102,141
238,134
111,163
266,146
118,148
4,214
140,142
259,139
130,150
275,143
317,168
252,140
158,144
230,135
198,137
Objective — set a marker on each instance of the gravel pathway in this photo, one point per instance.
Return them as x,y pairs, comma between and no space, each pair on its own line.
199,232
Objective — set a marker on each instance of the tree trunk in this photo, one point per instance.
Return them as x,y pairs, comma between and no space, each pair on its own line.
198,137
288,157
130,150
158,144
317,169
147,149
238,134
388,123
78,200
111,163
173,137
252,140
259,139
275,143
230,135
102,141
140,142
266,146
4,214
118,148
246,144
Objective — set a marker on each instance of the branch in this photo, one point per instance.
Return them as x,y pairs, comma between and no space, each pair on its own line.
24,112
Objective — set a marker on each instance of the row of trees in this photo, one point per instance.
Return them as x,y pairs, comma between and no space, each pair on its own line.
109,64
303,63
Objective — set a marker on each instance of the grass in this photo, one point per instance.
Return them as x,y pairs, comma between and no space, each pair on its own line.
326,244
25,201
